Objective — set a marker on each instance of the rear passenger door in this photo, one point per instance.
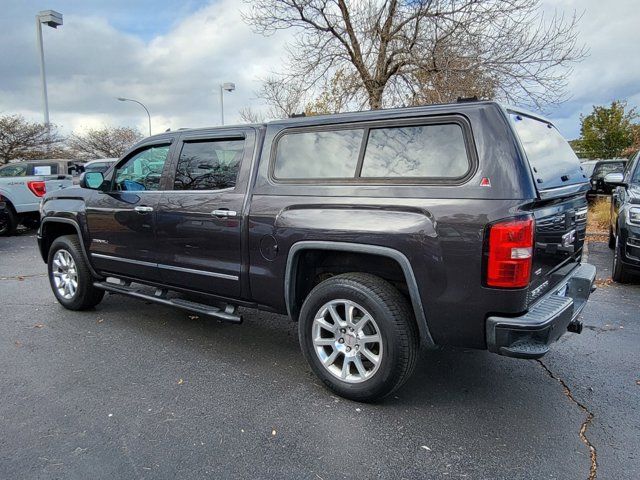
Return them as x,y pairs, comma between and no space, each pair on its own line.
199,219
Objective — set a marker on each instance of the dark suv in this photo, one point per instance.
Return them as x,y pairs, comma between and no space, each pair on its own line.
379,232
624,230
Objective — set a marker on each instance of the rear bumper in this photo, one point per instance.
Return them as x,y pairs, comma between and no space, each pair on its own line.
530,335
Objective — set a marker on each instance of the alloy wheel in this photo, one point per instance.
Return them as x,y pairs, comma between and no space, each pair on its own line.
65,274
347,341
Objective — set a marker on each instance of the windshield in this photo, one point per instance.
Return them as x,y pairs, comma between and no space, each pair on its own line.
14,170
551,158
98,167
606,168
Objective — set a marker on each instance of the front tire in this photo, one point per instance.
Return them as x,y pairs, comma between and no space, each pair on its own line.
618,272
70,276
359,335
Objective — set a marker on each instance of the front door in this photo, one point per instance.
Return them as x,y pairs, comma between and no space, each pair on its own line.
121,218
199,221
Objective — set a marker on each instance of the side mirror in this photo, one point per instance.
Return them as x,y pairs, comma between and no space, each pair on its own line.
615,179
92,180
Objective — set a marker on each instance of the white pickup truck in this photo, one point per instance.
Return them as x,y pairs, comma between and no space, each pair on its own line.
22,184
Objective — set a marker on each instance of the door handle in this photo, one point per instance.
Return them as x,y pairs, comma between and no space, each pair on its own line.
143,209
224,212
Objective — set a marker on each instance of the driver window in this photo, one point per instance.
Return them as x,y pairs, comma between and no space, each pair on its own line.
142,171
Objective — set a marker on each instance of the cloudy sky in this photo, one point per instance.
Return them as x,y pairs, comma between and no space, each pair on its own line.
173,54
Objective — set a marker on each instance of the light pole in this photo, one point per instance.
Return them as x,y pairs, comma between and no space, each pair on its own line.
229,87
122,99
54,20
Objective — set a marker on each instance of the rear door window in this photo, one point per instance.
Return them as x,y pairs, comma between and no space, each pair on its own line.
45,169
209,165
551,158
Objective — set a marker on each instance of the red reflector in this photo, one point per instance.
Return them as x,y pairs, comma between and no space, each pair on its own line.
510,254
38,187
485,182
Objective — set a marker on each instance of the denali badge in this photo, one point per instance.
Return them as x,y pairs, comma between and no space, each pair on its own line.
569,238
538,290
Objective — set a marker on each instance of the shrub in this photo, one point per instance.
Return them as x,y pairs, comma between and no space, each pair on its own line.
598,217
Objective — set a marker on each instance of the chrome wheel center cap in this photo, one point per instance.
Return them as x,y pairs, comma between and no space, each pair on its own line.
350,340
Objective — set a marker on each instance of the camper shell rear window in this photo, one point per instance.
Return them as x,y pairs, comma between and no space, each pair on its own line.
552,160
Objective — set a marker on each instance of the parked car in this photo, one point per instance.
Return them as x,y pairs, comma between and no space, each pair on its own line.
101,165
22,185
624,230
380,232
601,169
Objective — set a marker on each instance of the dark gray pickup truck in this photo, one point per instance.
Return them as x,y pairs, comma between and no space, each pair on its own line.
379,232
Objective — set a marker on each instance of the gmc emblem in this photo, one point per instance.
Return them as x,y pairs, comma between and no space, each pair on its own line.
569,238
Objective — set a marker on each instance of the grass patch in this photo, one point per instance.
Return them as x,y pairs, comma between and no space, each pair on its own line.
598,216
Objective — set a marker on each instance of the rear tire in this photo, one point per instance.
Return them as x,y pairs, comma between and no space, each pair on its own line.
359,335
618,272
70,276
8,223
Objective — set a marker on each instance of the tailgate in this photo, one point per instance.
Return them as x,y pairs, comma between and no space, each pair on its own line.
559,238
560,212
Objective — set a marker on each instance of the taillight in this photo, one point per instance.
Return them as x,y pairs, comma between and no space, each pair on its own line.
38,187
510,253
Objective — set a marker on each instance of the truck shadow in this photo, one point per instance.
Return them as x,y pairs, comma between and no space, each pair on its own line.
267,346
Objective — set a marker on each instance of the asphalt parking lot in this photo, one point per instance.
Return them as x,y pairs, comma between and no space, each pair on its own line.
134,390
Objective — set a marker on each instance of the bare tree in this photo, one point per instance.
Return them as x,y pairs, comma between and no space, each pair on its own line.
399,52
284,98
23,140
338,94
249,115
106,142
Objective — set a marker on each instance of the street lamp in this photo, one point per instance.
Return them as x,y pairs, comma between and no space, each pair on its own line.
229,87
122,99
54,20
